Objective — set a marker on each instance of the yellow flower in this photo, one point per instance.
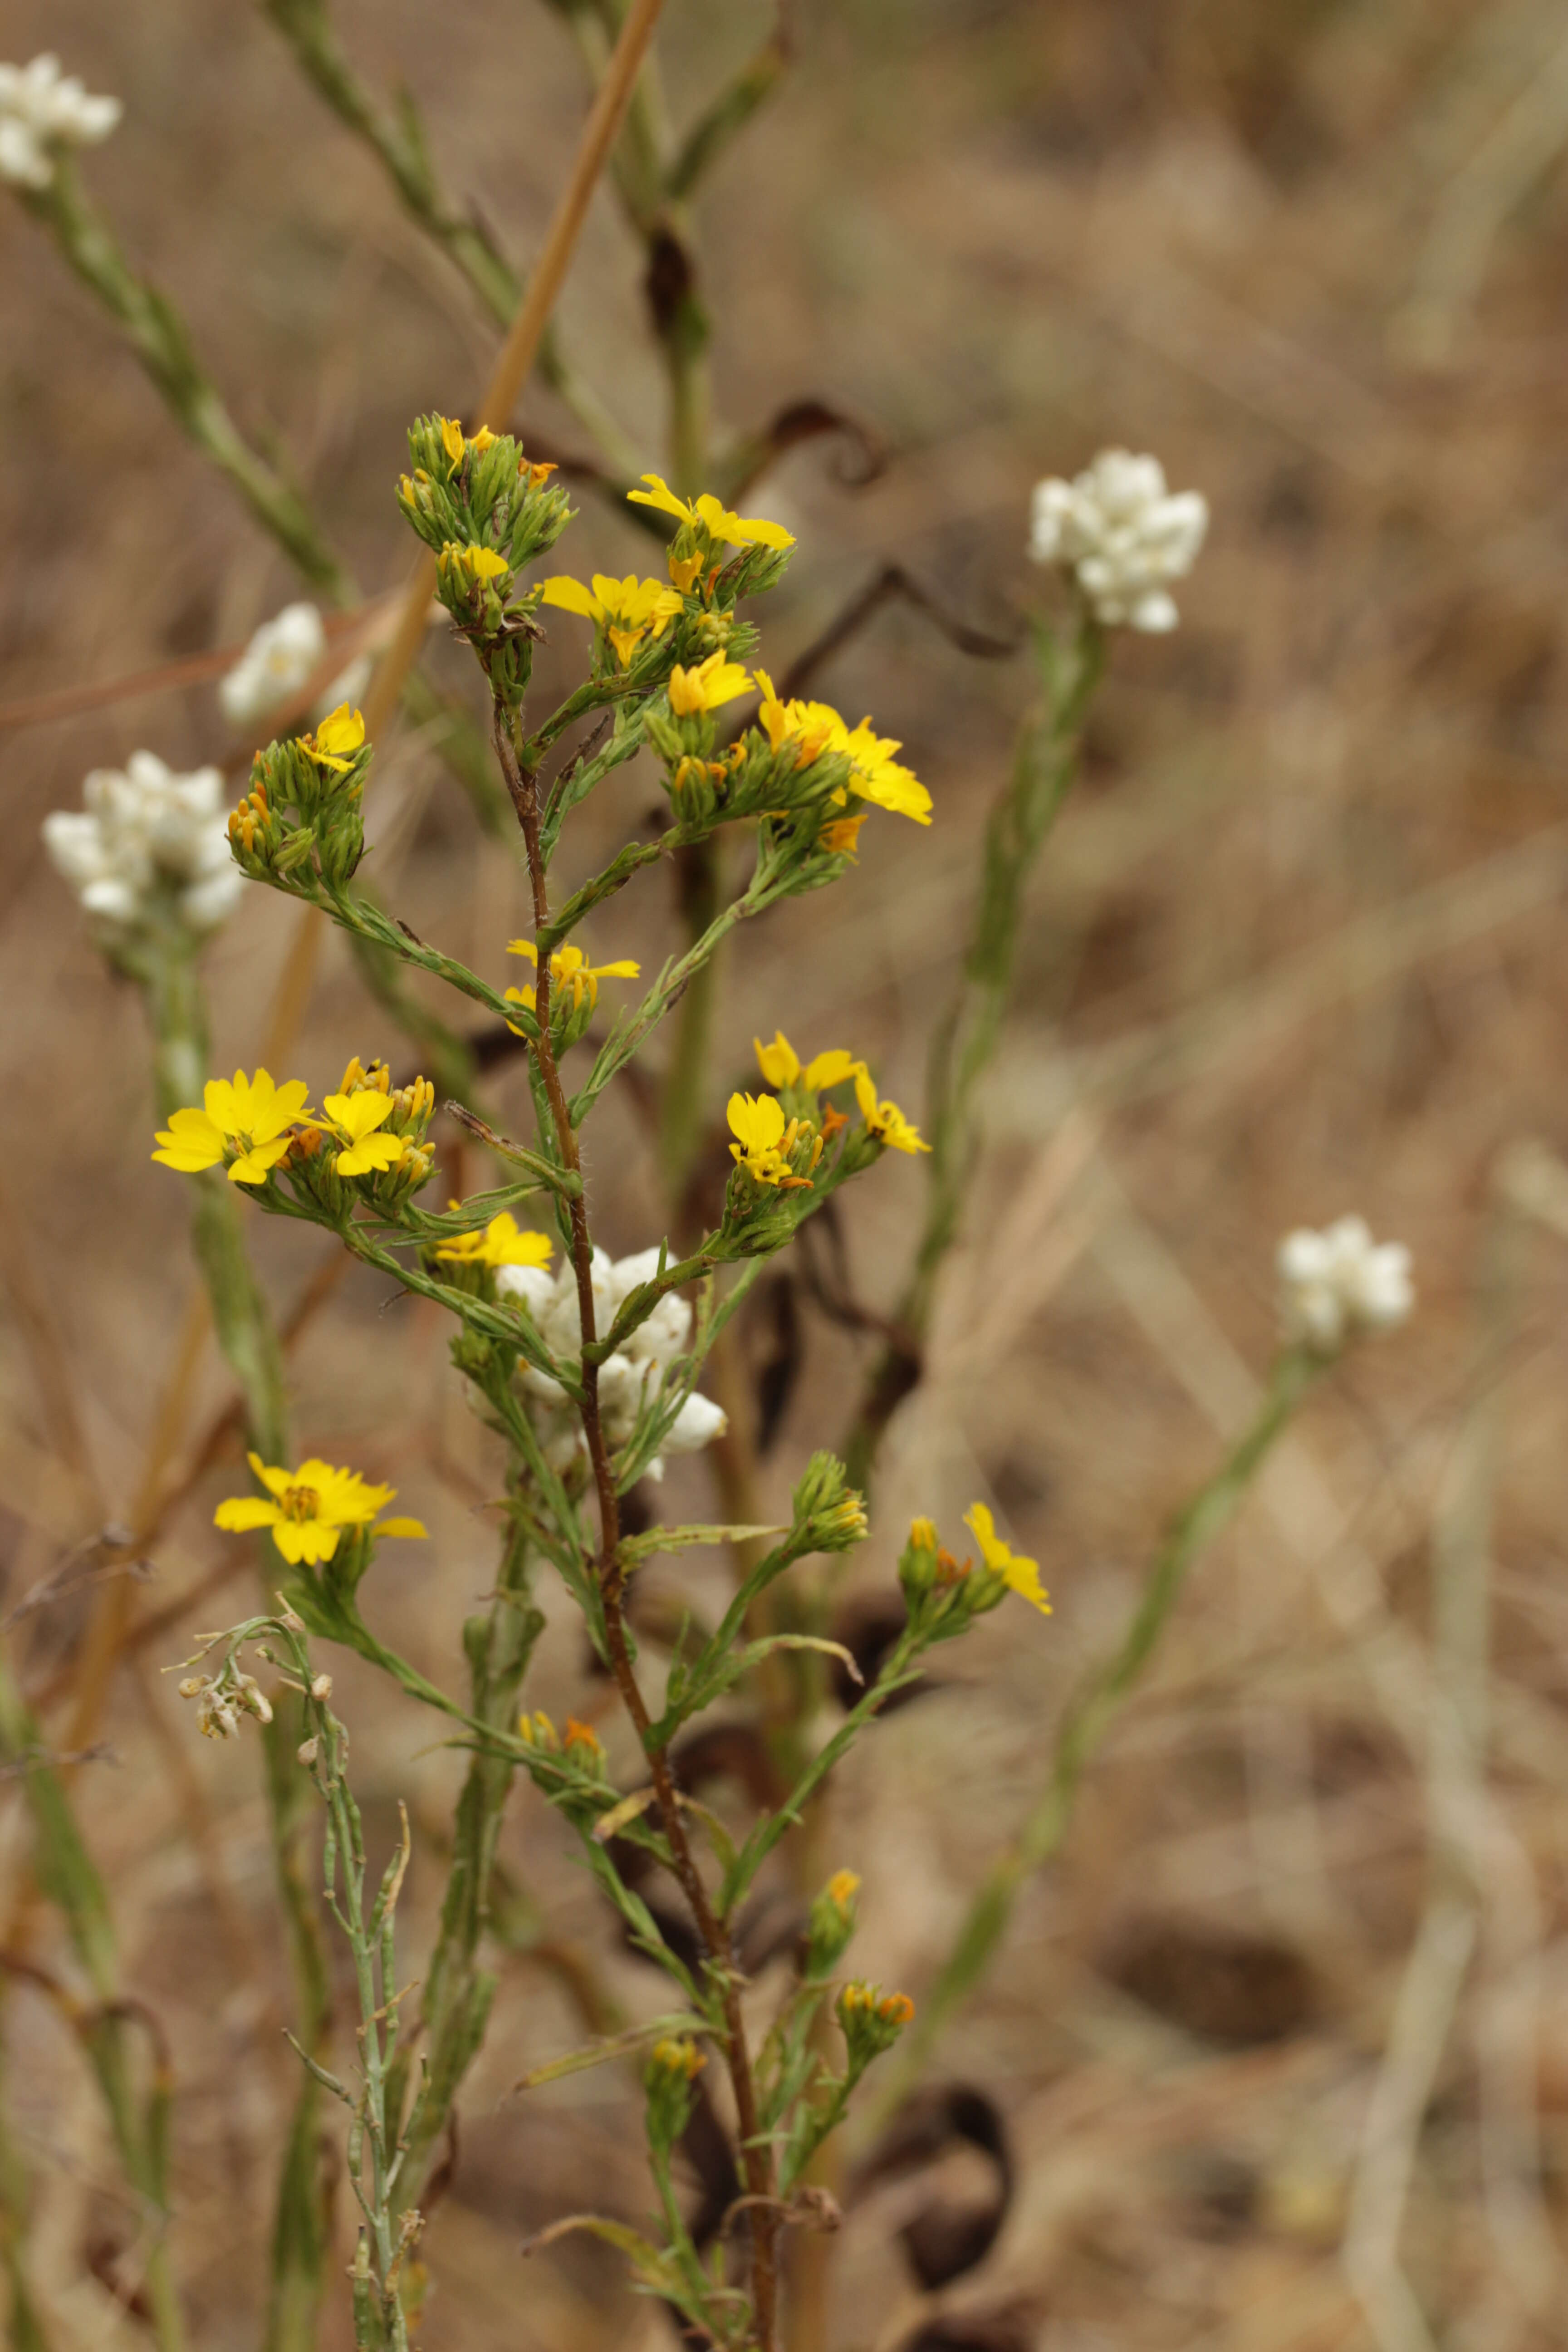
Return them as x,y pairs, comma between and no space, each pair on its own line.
452,439
757,1122
764,1142
483,440
500,1243
627,610
355,1119
781,1065
843,1888
479,563
706,513
923,1535
255,1113
885,1120
570,974
712,683
813,728
336,740
1022,1575
310,1508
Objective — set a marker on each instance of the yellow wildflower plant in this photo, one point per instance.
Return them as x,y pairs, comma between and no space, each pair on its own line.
1022,1576
256,1114
355,1119
815,727
885,1120
705,513
709,687
627,610
340,735
781,1065
310,1509
502,1242
570,975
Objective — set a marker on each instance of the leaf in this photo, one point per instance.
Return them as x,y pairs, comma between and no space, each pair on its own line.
637,1548
650,2264
614,2045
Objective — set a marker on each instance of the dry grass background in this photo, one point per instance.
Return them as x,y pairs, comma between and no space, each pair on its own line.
1297,948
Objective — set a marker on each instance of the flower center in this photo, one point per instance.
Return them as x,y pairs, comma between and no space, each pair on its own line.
300,1503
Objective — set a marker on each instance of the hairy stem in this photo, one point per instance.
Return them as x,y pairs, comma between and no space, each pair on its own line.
756,2159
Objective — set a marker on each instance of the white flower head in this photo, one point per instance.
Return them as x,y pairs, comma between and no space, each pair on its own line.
148,838
279,661
628,1380
1123,535
40,110
1339,1283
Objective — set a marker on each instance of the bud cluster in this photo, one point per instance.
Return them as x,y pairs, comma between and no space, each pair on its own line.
324,1160
943,1595
830,1925
871,2022
672,2069
748,778
487,511
828,1512
303,816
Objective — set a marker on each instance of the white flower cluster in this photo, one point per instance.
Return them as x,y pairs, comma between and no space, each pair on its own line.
629,1377
40,108
1124,535
146,831
1335,1284
276,664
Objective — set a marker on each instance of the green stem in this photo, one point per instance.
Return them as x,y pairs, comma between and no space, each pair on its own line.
458,1994
158,336
397,139
1089,1715
249,1338
1043,766
69,1878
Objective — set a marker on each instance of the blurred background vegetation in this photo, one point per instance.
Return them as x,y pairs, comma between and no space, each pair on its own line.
1295,948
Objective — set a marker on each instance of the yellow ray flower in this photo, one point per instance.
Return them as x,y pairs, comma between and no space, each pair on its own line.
813,728
885,1120
336,740
781,1065
479,563
569,972
500,1243
452,439
627,610
711,684
763,1142
1022,1575
356,1118
706,513
255,1113
310,1508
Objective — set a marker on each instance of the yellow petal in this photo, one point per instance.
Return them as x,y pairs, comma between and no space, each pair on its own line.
523,948
399,1527
662,496
277,1481
779,1063
359,1114
340,734
829,1069
243,1512
452,439
570,596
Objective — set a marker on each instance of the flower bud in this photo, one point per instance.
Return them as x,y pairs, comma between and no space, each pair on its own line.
830,1925
672,2067
871,2022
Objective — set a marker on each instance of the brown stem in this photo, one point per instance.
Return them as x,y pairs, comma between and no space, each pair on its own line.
756,2157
